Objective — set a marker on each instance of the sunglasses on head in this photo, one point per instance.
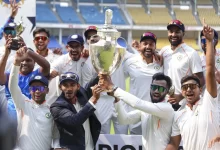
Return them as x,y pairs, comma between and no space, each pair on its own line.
43,38
37,88
158,88
12,32
69,76
191,86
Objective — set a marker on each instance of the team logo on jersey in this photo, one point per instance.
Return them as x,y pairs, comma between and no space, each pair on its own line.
218,60
180,57
48,115
82,64
157,67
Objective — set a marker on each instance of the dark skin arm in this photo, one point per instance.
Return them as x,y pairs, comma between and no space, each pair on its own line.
3,61
41,61
174,143
210,60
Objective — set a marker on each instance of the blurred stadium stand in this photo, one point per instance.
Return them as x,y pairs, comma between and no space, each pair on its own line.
131,17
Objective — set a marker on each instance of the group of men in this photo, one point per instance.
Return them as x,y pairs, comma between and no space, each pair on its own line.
59,101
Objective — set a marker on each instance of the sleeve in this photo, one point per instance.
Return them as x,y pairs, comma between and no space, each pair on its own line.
15,90
69,119
57,65
175,128
195,63
124,117
10,19
161,110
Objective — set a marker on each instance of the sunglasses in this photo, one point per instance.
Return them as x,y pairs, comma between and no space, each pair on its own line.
12,32
158,88
37,88
69,76
191,86
43,38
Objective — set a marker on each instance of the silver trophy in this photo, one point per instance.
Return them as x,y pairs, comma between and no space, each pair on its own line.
17,39
106,54
171,91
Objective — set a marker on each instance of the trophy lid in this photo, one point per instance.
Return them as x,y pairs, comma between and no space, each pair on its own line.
108,29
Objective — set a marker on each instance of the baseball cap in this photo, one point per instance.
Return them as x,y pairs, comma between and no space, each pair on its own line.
10,25
69,76
215,35
149,35
75,38
39,78
176,23
90,28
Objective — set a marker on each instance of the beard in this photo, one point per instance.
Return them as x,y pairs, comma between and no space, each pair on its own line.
162,97
175,43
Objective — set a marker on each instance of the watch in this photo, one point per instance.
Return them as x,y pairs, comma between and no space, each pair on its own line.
114,88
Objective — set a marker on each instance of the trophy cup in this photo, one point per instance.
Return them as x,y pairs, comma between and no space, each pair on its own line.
106,54
16,40
171,91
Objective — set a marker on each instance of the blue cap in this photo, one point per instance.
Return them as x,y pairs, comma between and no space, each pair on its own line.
11,25
75,38
70,76
39,78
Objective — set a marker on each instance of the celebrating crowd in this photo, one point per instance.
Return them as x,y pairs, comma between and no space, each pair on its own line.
50,100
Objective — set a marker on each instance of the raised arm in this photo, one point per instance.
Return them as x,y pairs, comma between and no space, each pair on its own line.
16,93
125,117
3,62
41,61
210,60
157,109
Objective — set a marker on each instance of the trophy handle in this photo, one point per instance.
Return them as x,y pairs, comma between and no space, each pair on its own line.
122,42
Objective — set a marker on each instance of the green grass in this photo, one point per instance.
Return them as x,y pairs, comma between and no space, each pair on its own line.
112,131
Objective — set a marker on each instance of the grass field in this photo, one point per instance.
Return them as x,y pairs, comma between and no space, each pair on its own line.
112,131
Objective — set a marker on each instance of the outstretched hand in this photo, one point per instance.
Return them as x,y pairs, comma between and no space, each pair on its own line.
20,55
213,141
105,82
14,8
208,32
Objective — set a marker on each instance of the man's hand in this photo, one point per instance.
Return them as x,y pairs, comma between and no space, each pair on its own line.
57,51
208,32
85,53
96,90
14,8
105,82
20,55
7,46
213,141
175,99
135,44
158,58
53,74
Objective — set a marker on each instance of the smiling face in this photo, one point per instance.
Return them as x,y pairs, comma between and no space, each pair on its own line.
158,90
69,89
38,91
191,91
41,41
27,65
74,49
147,48
175,35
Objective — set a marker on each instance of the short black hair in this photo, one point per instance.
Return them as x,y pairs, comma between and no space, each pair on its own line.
162,76
191,77
39,30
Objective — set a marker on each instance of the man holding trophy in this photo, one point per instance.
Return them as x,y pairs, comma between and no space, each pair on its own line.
105,57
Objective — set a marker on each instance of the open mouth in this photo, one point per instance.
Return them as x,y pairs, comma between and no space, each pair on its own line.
189,96
174,39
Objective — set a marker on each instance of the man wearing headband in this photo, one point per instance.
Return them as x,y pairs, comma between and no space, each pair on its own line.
155,114
73,113
140,68
34,119
179,60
